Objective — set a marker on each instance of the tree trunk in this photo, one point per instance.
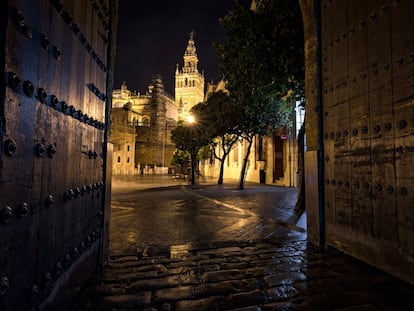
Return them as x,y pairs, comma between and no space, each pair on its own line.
244,166
226,152
193,165
220,179
300,199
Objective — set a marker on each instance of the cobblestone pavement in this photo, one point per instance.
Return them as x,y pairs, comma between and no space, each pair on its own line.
218,248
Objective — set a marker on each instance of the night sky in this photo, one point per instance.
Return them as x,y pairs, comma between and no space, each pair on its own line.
152,37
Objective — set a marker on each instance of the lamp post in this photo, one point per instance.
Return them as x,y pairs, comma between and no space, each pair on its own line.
163,144
191,120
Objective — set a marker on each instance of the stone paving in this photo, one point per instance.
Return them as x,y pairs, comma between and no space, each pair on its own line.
252,276
276,273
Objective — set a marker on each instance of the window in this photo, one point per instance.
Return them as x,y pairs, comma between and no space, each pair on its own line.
128,148
128,160
119,159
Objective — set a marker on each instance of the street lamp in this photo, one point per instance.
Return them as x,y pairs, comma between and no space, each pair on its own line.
190,119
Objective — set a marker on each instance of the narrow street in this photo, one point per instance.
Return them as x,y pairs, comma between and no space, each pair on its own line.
207,247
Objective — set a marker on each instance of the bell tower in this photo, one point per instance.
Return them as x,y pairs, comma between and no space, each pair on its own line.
189,82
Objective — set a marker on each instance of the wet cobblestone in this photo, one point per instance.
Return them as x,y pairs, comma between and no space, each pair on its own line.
302,278
262,263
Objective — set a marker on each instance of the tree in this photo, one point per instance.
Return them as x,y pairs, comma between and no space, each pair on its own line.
262,61
180,159
190,138
219,115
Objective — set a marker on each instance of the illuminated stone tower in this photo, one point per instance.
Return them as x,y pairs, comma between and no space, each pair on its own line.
189,82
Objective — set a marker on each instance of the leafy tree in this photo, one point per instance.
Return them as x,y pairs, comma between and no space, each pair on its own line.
262,61
180,159
204,153
220,119
190,138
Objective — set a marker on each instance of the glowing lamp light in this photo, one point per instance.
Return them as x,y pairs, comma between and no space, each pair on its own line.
190,119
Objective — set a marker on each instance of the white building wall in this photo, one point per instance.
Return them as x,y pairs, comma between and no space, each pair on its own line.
123,159
234,162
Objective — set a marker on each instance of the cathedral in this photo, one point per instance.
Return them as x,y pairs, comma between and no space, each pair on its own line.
142,123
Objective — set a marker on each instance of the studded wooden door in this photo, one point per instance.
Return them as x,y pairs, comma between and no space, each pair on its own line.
368,86
53,124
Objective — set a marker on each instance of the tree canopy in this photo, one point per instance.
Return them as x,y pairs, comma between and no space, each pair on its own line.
190,138
263,49
261,59
220,116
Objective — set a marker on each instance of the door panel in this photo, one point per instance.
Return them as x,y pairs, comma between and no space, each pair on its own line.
52,156
367,90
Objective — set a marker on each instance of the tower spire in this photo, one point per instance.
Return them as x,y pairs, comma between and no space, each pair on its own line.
189,82
190,54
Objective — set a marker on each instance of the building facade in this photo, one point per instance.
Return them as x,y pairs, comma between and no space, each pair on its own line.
142,123
123,138
273,158
141,129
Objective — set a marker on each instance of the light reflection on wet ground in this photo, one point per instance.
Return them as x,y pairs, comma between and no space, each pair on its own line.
161,211
208,248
